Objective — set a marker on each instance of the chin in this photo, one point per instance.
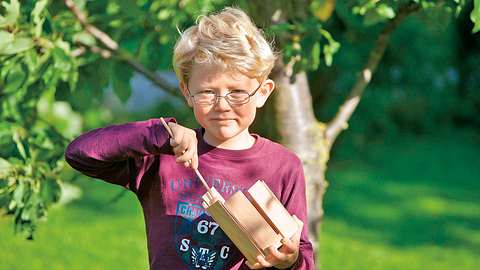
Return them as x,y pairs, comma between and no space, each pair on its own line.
225,133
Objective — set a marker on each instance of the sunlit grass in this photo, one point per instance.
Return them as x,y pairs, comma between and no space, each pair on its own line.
408,204
86,234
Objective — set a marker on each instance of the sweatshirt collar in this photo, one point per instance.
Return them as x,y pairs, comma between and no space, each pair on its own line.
204,147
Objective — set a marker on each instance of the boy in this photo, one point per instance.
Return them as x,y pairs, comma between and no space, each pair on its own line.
222,64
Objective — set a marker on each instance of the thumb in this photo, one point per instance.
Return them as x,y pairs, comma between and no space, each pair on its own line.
170,127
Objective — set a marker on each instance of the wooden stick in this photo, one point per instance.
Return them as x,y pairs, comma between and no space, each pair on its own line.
196,170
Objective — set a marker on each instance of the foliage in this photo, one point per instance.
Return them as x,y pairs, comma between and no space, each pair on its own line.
304,42
35,59
53,68
423,82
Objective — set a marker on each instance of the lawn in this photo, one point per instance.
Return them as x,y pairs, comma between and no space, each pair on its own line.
404,203
401,203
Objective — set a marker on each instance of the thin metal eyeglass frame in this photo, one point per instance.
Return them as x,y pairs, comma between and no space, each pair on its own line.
217,97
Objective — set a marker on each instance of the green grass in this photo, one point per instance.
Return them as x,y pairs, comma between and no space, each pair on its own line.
90,233
404,203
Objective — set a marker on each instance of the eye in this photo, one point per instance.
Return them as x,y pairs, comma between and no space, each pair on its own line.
238,95
238,91
206,91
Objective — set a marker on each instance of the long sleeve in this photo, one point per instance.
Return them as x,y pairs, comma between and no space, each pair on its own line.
115,153
296,204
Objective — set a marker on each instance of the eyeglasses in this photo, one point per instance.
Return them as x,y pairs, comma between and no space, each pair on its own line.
234,97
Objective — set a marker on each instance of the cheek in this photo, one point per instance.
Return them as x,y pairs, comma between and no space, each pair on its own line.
200,114
246,114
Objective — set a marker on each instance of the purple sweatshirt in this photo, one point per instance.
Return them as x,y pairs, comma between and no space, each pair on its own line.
180,234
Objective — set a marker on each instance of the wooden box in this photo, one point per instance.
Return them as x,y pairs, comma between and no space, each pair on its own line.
253,221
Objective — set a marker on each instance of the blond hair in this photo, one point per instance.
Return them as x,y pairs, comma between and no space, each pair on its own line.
228,38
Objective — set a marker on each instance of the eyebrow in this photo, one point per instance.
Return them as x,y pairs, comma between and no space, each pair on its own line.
216,88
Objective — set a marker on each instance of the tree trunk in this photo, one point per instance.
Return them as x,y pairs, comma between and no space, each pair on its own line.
304,135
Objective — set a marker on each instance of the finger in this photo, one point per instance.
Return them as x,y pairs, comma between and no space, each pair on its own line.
189,141
274,256
180,149
253,266
169,129
194,163
178,133
263,262
187,155
289,246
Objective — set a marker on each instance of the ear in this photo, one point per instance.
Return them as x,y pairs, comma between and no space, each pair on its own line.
264,92
183,88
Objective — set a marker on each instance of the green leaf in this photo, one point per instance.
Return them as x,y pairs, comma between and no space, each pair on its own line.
4,166
5,38
15,78
27,213
12,12
372,17
31,60
322,9
315,55
149,45
18,195
84,38
475,16
19,44
329,49
385,11
62,61
131,9
120,77
50,191
73,80
18,141
36,16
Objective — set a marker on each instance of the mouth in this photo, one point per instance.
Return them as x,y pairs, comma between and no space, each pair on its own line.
222,119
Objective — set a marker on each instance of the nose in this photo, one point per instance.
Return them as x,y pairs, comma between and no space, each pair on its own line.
222,104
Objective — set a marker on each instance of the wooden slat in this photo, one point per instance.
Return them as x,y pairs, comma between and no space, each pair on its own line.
232,229
252,222
272,209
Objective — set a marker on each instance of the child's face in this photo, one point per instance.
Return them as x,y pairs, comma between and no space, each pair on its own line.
224,121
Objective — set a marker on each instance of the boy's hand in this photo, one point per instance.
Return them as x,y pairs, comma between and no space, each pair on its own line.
284,257
184,143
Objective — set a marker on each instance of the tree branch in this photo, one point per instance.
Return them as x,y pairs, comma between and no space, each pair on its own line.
97,33
340,121
124,56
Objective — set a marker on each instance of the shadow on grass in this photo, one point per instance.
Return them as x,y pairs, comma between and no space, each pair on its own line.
411,193
99,197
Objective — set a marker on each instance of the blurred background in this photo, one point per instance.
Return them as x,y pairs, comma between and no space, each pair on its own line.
401,184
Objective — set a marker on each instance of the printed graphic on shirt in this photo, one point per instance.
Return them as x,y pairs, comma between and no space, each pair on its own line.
199,240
